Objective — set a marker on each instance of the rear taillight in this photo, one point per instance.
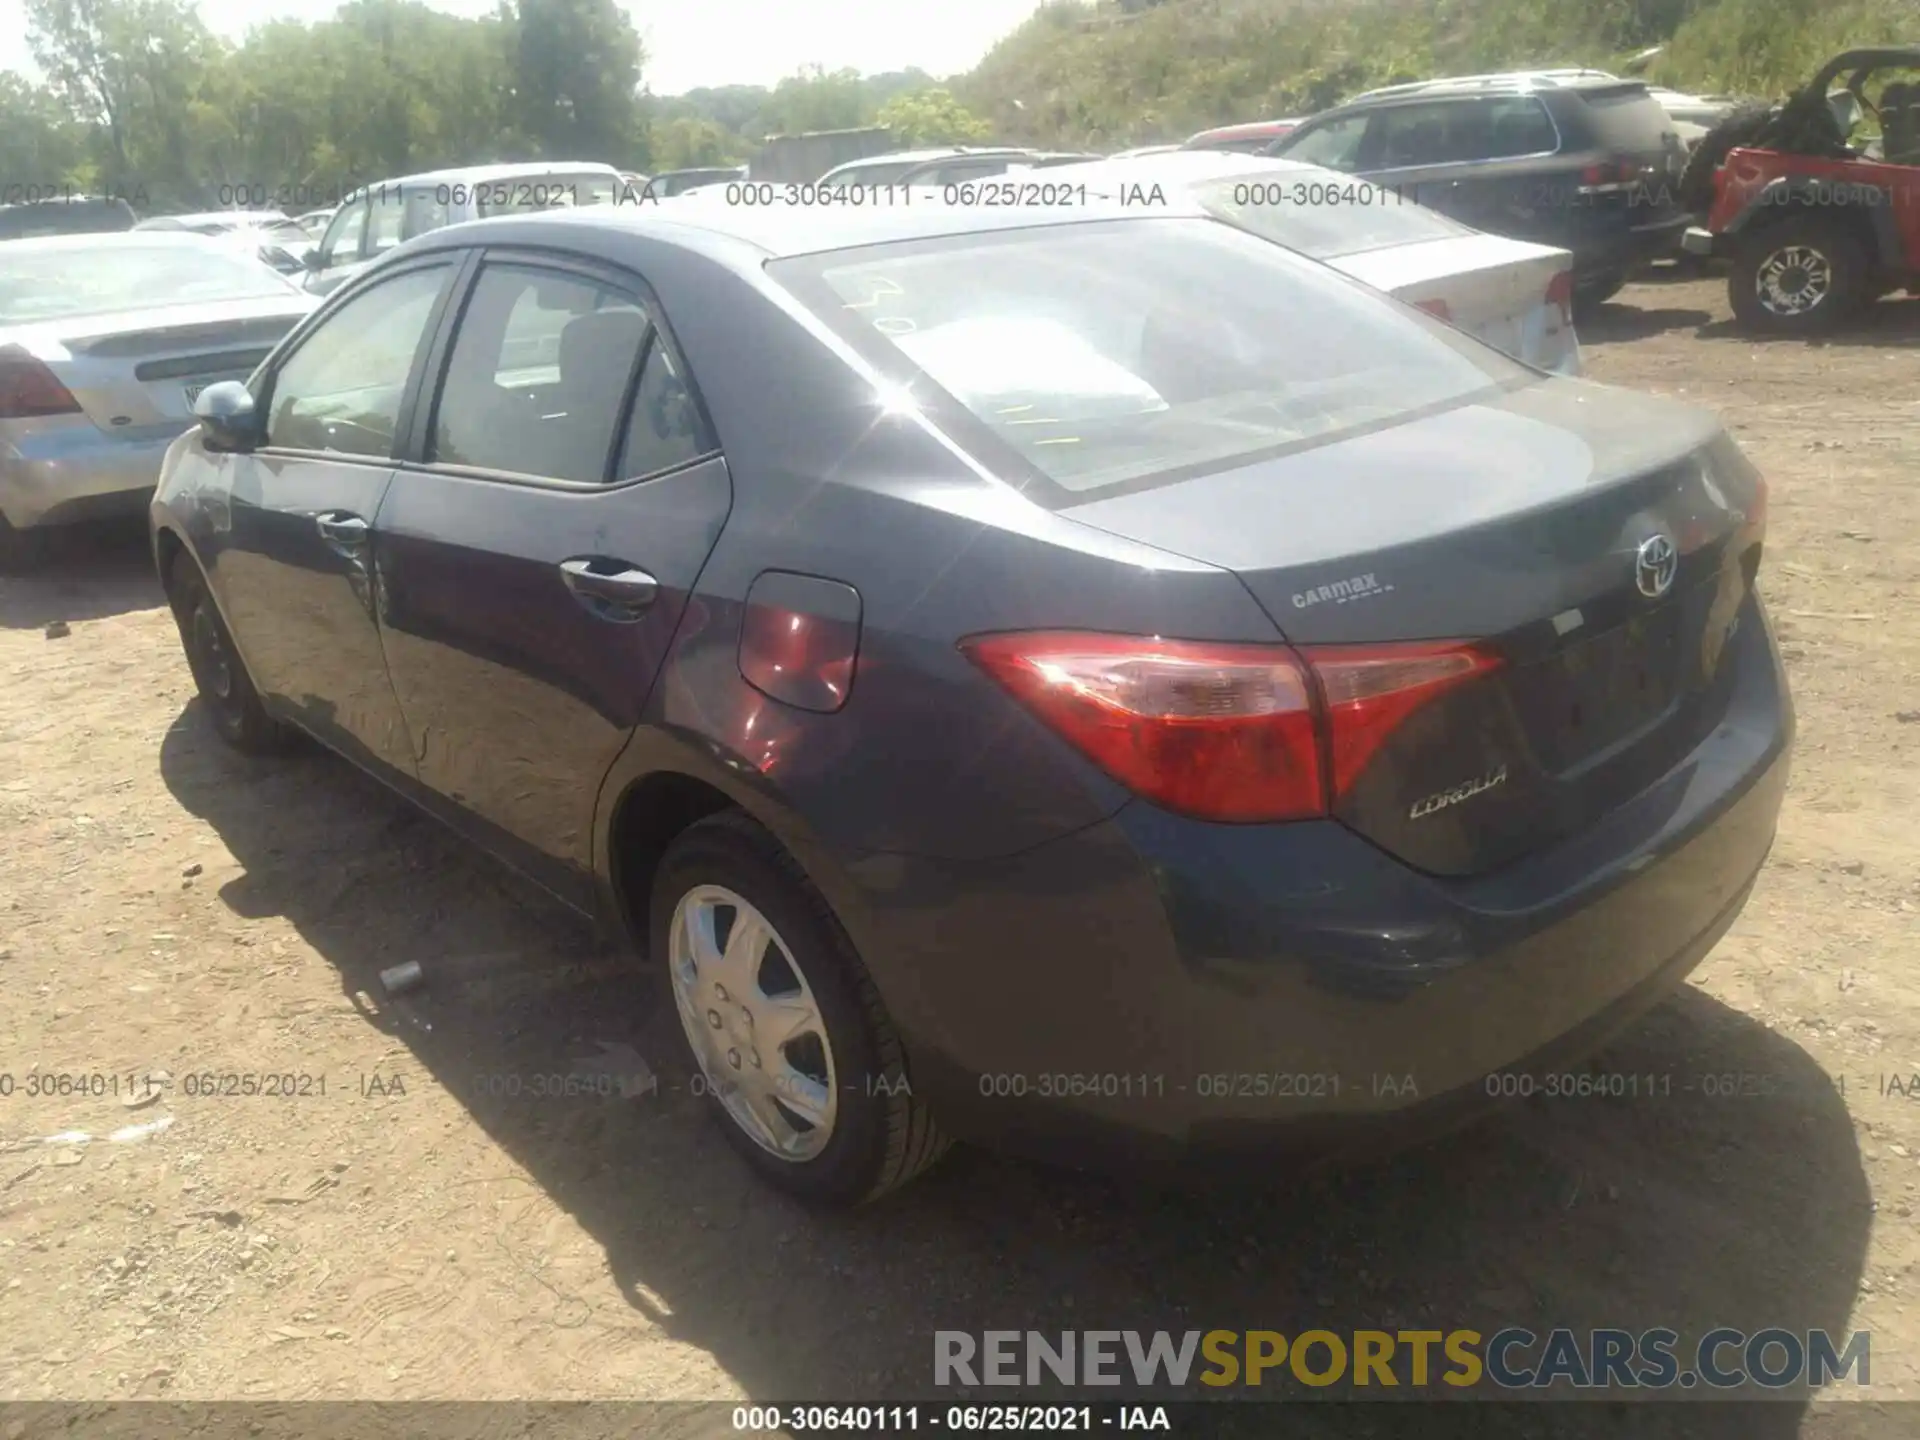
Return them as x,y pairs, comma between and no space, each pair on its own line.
1369,691
1560,292
1436,308
1224,732
28,389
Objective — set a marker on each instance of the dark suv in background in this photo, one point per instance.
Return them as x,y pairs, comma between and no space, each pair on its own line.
65,215
1577,159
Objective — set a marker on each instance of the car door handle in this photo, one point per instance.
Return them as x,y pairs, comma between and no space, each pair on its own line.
341,528
611,588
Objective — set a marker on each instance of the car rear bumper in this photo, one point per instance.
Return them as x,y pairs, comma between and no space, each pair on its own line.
1617,247
1160,990
71,471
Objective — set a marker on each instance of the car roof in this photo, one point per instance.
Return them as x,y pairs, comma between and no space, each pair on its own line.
940,152
112,239
748,235
483,174
1248,130
1177,167
210,217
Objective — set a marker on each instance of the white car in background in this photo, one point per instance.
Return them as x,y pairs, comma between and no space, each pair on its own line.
1514,295
105,340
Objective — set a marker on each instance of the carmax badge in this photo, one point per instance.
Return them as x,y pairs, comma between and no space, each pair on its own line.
1423,808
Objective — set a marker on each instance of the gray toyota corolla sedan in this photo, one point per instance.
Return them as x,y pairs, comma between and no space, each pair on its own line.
1089,681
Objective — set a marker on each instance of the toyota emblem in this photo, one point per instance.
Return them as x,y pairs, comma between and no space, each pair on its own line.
1654,566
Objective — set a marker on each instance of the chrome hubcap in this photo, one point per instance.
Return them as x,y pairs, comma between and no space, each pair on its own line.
753,1022
1794,279
216,667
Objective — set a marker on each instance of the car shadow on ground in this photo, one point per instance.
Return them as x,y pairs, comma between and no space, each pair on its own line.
1687,1209
89,572
1892,324
1622,320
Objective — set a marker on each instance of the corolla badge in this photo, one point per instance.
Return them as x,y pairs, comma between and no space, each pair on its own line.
1654,565
1446,798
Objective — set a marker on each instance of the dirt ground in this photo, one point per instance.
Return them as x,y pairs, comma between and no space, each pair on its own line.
417,1231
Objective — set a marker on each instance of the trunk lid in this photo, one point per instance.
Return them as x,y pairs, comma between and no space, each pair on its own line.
1521,523
1494,289
140,369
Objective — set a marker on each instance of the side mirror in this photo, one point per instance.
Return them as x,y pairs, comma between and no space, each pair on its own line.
228,417
311,259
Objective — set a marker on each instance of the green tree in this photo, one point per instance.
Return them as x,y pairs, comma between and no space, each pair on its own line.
816,99
686,141
130,69
930,117
576,79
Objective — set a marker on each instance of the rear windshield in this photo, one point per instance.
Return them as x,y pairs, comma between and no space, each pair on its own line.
526,193
49,283
1628,120
1323,216
1106,353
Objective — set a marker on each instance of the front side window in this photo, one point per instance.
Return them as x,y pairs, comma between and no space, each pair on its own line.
1336,144
341,390
1103,354
539,370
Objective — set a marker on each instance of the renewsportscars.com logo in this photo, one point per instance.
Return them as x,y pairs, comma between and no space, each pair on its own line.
1509,1359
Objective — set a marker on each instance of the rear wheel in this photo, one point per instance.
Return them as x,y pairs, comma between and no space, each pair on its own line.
806,1073
1591,293
1802,276
225,688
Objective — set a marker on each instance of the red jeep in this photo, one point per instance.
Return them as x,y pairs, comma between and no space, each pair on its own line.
1816,201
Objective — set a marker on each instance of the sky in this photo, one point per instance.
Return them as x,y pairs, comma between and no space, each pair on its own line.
691,43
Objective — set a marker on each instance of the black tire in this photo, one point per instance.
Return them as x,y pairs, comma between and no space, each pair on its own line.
1837,269
1739,126
882,1135
20,550
225,687
1593,292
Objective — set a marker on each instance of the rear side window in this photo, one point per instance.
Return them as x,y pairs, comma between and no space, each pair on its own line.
426,210
343,236
1516,125
1104,354
386,225
665,430
1322,218
540,367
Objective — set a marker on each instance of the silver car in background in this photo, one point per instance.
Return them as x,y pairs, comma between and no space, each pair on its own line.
269,234
105,340
1513,294
375,218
